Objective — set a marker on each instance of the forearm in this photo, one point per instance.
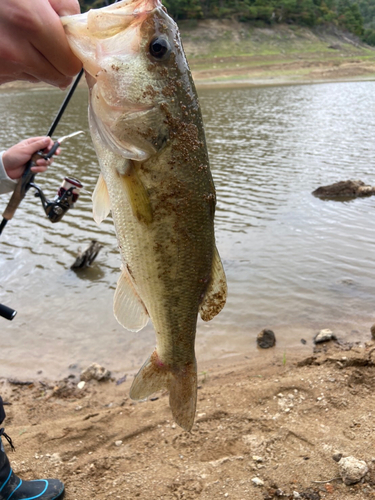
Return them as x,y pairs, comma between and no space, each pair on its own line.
6,183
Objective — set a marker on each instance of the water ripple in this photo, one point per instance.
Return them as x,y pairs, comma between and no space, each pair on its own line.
292,261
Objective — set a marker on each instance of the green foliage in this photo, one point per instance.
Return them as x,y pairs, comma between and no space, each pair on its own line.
356,16
349,17
369,37
367,9
92,4
184,9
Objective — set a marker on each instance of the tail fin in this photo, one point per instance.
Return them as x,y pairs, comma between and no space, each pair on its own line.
181,383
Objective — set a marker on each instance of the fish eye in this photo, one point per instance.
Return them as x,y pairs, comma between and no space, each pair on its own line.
160,48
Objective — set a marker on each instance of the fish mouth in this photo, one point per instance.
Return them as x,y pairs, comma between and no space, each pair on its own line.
84,30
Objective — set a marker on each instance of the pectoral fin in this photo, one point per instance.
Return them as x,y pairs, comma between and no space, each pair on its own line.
216,293
128,307
101,202
137,195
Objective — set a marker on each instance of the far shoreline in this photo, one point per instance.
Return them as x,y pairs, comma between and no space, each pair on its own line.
222,80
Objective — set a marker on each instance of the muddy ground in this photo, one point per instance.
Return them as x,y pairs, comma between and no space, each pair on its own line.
277,419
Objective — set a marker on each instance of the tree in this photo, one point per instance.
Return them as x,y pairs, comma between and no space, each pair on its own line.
350,17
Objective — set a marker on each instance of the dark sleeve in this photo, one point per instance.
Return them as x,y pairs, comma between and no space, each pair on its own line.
2,411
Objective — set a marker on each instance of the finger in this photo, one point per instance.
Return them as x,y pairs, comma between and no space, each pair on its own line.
41,165
40,139
57,51
37,48
35,144
65,7
50,152
18,76
38,170
44,69
56,153
43,162
33,67
49,146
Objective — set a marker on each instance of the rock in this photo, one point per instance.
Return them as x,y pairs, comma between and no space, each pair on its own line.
310,495
344,190
373,332
81,384
96,372
257,481
337,457
56,458
352,470
324,336
266,339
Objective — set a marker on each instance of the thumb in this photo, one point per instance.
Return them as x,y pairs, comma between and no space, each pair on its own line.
35,144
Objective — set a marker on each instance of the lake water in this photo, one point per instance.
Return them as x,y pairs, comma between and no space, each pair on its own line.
294,263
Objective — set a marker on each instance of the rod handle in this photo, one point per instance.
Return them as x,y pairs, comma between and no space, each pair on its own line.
7,312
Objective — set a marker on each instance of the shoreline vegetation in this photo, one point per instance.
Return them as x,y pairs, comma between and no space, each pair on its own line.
230,53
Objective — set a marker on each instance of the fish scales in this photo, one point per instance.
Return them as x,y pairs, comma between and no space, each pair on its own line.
175,228
147,130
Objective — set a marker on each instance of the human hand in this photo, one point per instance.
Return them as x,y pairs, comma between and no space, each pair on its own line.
33,44
16,157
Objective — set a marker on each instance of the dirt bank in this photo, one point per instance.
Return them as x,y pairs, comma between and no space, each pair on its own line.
228,53
279,420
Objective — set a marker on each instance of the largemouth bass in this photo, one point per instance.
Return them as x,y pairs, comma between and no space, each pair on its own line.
147,130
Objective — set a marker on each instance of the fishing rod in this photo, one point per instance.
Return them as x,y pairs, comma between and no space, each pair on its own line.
67,194
27,179
68,191
65,104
